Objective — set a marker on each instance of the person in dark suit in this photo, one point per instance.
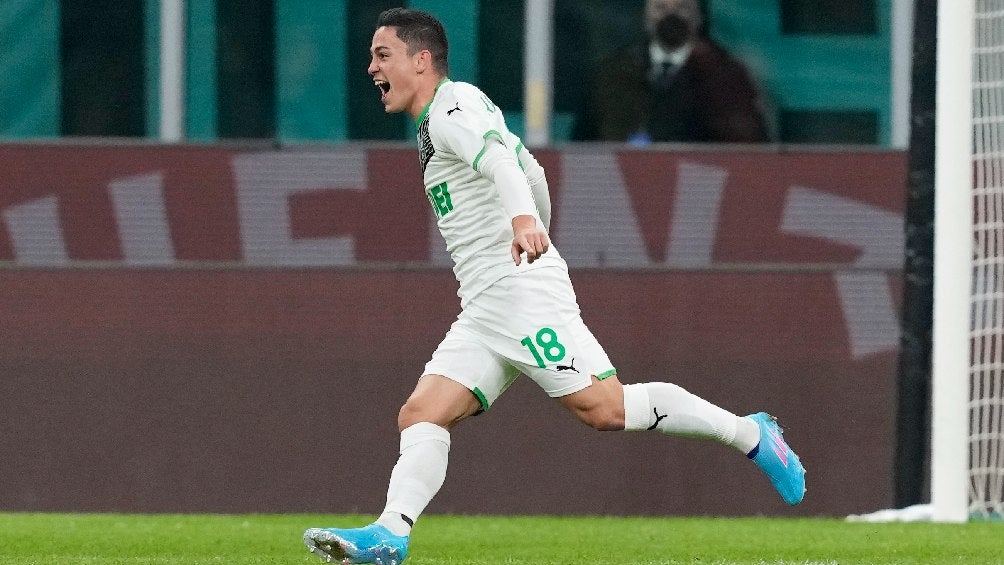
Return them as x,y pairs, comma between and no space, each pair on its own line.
678,85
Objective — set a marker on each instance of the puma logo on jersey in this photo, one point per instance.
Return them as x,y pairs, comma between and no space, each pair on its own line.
569,367
448,112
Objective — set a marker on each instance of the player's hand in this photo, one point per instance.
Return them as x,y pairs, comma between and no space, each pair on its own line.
528,238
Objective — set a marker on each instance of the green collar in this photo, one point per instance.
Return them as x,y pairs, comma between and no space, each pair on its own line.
425,111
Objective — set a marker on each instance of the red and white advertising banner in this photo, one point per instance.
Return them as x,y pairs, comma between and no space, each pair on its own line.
184,324
616,208
139,205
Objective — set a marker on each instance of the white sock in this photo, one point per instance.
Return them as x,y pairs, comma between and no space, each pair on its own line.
673,411
417,476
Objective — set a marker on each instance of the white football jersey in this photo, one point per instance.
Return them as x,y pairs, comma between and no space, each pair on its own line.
452,133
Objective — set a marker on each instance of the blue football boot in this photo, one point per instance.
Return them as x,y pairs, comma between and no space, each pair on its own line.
777,460
370,544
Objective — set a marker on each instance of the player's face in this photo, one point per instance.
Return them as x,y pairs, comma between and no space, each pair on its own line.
393,70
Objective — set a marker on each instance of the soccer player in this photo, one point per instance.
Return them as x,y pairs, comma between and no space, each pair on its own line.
518,311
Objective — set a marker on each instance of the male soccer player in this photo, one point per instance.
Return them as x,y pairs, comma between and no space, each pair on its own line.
518,312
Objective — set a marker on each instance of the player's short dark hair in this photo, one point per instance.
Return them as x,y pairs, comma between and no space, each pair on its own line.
419,30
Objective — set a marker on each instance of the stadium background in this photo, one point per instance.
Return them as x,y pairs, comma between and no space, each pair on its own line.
230,325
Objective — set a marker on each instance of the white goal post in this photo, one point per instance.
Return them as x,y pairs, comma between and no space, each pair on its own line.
967,432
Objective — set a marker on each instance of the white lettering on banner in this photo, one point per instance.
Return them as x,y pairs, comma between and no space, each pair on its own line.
696,214
878,233
869,312
35,232
141,215
265,182
868,306
598,228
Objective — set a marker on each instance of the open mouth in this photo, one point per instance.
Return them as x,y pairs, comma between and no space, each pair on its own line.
384,87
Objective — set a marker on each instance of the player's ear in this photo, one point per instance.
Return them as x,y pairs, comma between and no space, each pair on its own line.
423,60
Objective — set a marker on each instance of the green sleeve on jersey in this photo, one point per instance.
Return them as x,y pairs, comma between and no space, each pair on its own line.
484,147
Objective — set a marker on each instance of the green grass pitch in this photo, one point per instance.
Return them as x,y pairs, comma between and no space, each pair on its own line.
106,539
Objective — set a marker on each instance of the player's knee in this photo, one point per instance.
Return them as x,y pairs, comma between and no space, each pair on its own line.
439,407
604,418
412,412
599,406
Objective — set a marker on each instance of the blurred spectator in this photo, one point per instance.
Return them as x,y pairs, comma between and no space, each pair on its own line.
677,85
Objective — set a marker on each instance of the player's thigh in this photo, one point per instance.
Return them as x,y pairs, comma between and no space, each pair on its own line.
464,358
533,321
438,400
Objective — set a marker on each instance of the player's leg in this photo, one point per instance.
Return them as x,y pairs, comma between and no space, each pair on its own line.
567,361
436,405
438,400
668,408
425,422
671,410
475,378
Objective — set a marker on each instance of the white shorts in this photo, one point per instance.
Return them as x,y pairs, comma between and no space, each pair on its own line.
526,323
